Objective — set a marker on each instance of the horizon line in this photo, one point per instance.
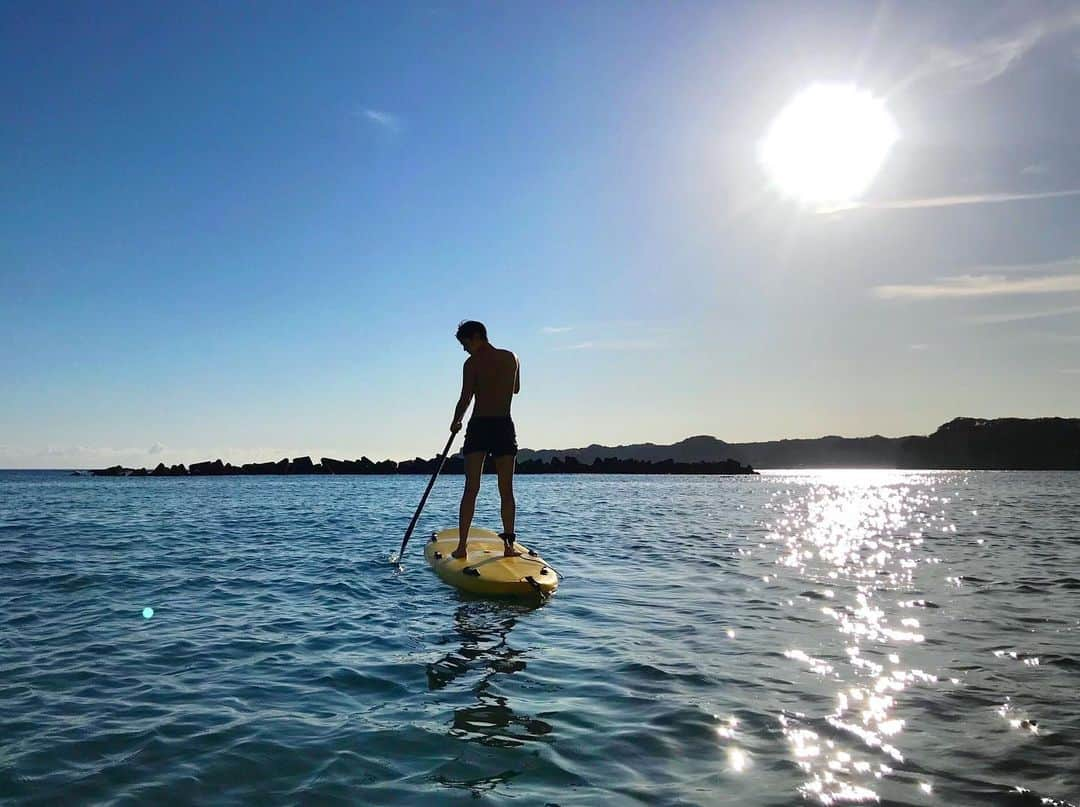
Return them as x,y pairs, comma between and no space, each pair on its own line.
575,448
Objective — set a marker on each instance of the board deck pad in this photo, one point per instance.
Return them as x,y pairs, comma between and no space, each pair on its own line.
486,570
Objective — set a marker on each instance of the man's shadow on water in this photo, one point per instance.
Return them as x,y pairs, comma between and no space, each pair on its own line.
483,627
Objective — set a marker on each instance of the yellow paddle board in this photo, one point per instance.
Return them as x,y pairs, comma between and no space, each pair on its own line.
486,570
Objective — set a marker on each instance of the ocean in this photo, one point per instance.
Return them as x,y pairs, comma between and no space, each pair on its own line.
809,637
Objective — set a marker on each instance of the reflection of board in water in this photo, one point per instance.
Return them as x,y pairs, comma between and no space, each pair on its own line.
483,627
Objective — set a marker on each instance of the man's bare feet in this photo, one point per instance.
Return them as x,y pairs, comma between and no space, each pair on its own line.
460,553
508,543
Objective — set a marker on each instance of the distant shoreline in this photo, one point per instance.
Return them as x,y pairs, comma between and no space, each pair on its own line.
1003,444
304,466
1016,444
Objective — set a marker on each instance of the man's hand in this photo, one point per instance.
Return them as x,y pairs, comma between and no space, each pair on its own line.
455,427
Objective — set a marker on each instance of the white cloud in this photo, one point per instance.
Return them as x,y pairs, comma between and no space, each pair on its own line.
1058,337
1020,316
156,448
615,334
1065,264
77,451
66,456
1071,371
944,201
81,456
614,344
381,118
992,282
985,60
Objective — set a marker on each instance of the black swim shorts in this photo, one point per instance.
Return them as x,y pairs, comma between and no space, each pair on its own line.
493,435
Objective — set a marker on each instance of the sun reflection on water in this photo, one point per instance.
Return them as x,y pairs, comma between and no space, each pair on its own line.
738,759
859,537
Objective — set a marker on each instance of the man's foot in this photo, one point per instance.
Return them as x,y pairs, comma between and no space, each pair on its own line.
460,553
508,543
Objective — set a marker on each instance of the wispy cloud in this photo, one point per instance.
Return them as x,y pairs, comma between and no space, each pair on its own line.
980,286
945,201
985,60
1021,316
381,118
83,456
1071,370
80,451
1054,336
615,344
614,334
1053,277
156,448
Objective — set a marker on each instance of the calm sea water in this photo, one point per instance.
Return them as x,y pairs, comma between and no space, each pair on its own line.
813,637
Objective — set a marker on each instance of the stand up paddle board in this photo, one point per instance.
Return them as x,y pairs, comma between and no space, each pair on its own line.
486,570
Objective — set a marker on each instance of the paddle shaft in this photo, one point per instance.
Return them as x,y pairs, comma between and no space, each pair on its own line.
423,499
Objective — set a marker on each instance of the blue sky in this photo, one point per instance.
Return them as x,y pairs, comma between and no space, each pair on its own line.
249,230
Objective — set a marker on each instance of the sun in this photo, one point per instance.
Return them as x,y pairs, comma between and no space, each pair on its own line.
828,143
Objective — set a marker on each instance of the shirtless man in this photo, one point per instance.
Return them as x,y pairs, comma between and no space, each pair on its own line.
492,375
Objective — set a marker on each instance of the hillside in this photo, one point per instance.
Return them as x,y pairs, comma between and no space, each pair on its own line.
1005,443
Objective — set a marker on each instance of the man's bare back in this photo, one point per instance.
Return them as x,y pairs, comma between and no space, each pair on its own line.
496,377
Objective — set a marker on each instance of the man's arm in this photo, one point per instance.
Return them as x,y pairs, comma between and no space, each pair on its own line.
468,389
517,375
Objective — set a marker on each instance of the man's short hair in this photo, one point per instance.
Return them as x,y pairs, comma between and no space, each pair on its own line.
469,328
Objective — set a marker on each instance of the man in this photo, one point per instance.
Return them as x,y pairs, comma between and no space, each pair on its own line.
493,376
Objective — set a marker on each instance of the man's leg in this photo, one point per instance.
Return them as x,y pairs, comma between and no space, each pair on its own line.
504,467
474,466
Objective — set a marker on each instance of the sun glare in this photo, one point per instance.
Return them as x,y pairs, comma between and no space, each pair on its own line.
828,143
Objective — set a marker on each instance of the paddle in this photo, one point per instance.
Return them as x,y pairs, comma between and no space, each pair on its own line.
423,499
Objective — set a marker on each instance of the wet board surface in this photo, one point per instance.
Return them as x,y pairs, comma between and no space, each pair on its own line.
486,570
